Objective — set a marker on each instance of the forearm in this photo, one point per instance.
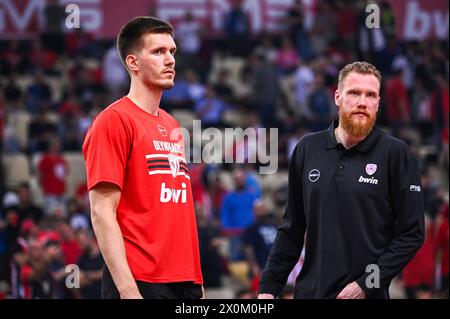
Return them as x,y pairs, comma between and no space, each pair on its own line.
284,255
110,241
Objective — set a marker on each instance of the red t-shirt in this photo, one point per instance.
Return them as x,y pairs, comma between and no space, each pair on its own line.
53,171
395,94
141,154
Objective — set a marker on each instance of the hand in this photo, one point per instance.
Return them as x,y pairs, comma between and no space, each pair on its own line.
203,293
352,291
265,296
131,294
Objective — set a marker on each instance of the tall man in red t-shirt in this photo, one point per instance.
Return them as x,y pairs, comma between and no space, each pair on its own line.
139,186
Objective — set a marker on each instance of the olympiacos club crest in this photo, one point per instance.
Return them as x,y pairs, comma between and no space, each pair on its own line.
174,163
371,169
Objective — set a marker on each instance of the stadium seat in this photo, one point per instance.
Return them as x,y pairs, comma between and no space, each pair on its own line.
233,118
16,169
184,117
271,182
77,171
36,190
22,120
35,158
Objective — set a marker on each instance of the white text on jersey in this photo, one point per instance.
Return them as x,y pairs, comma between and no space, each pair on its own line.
172,194
168,147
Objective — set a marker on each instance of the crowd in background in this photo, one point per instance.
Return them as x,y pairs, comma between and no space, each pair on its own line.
61,81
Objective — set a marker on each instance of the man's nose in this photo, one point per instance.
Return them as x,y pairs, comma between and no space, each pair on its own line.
170,59
362,102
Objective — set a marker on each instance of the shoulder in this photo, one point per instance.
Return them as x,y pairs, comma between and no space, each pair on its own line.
168,118
114,116
397,151
393,144
116,110
312,141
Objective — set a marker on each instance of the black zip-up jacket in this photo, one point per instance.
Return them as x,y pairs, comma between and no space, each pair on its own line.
359,208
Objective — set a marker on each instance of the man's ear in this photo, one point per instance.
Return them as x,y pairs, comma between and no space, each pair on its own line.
337,96
132,62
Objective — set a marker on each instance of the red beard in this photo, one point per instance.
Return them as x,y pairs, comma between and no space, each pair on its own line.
355,127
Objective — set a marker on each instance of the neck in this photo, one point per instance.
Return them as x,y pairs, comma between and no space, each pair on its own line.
346,139
143,97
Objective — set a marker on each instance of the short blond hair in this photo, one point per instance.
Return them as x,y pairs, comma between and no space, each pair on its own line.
358,67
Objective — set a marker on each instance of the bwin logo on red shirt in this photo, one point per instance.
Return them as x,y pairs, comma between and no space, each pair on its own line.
172,194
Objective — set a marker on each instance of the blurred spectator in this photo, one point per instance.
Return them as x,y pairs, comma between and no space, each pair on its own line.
388,22
53,170
222,86
303,81
324,29
115,75
242,87
443,249
245,149
266,49
70,105
2,120
37,282
237,29
210,259
54,17
195,87
12,59
82,197
440,105
295,20
43,273
346,22
320,109
237,213
432,194
91,265
40,131
80,42
211,108
77,216
258,238
69,132
13,94
41,58
265,90
69,245
422,114
87,82
178,96
188,36
38,93
419,275
397,102
26,208
371,41
4,260
217,192
402,61
287,57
